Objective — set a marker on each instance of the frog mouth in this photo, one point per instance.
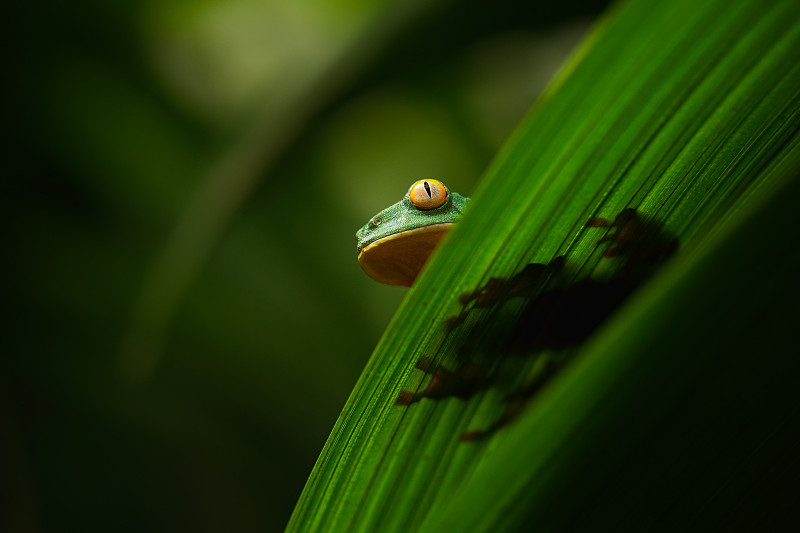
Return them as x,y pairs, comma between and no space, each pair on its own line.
397,259
415,234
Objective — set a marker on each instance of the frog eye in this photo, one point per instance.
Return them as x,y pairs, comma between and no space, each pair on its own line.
428,194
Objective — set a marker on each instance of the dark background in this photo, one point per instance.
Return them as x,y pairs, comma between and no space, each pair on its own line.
185,315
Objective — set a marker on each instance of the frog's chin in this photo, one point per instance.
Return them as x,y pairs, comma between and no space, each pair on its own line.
397,259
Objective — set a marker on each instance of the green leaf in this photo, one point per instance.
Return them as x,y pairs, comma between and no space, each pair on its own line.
689,113
684,402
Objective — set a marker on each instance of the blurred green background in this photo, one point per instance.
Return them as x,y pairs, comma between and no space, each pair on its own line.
185,179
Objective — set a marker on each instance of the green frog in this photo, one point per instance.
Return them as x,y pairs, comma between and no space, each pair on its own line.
395,245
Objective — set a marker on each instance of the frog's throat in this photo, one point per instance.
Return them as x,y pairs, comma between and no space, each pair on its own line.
397,259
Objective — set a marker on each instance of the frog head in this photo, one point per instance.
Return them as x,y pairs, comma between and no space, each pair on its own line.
397,242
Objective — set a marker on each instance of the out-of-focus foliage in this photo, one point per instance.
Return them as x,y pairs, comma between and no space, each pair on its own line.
184,182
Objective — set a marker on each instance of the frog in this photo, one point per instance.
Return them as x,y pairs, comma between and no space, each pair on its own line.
395,244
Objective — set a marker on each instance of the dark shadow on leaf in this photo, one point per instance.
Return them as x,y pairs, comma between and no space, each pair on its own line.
542,311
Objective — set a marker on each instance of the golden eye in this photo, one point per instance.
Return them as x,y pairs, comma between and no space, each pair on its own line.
428,194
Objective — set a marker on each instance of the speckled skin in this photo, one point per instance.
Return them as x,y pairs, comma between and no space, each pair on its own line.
395,244
403,216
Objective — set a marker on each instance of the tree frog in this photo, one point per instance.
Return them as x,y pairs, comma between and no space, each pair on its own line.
395,245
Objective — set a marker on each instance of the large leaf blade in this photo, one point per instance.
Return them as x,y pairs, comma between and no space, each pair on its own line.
696,419
688,106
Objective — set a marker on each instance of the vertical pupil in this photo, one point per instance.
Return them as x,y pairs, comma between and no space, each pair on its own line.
427,188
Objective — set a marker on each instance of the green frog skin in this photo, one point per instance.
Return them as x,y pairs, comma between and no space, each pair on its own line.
397,242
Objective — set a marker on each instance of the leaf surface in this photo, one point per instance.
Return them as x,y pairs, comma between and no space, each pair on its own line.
688,113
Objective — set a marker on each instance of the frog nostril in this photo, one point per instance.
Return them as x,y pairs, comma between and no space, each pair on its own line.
376,221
